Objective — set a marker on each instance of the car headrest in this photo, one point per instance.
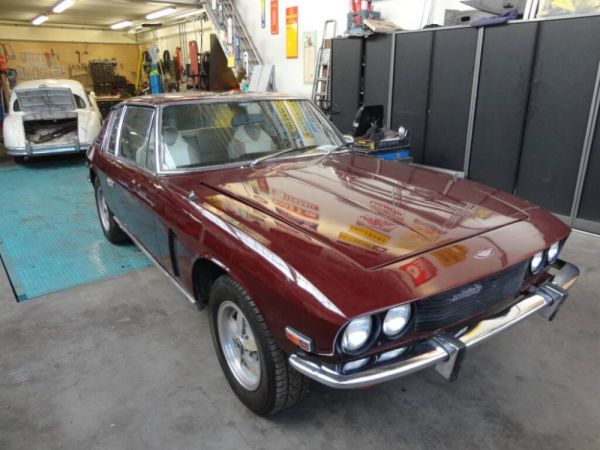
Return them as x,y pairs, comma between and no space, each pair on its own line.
246,119
170,135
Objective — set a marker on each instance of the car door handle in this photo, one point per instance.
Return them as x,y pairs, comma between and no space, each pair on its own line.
110,182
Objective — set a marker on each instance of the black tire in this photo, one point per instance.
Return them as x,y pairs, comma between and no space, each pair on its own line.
21,160
110,227
280,385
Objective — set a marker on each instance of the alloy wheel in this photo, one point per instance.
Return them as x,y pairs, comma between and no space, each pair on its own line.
239,345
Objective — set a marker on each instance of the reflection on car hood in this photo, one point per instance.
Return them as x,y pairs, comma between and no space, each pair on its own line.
372,211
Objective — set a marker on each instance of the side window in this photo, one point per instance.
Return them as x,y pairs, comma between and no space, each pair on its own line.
16,106
114,130
79,102
135,133
151,152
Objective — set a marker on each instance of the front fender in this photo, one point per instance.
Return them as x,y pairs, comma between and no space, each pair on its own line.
88,125
13,131
283,295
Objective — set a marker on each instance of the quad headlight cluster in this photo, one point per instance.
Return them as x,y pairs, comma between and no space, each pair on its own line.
544,258
362,332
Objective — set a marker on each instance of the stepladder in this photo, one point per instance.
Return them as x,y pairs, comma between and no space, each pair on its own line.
321,91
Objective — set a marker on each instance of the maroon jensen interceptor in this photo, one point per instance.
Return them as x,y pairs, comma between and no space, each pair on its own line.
317,261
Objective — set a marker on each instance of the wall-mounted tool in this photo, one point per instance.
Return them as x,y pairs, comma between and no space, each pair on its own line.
155,83
8,51
194,71
178,66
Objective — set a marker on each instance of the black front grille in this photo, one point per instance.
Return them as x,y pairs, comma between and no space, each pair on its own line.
466,301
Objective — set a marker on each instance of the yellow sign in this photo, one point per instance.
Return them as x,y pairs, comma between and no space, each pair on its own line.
301,121
411,241
564,4
291,32
370,234
448,256
482,213
352,240
285,116
428,230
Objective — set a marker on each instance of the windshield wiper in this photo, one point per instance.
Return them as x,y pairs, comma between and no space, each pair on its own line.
339,147
281,152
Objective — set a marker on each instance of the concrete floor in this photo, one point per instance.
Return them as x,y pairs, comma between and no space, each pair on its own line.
128,363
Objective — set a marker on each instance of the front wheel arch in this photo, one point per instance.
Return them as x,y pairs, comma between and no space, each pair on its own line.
204,273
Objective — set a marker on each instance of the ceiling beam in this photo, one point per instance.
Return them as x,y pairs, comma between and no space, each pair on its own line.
176,2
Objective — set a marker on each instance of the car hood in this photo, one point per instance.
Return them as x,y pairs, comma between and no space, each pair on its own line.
372,211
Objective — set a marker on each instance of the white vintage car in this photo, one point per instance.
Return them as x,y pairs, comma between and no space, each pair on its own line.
50,117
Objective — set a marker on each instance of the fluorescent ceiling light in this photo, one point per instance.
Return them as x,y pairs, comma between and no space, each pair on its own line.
39,19
136,29
193,12
160,13
61,6
123,24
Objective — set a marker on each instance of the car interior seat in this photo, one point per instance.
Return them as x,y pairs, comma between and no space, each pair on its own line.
212,143
176,151
242,143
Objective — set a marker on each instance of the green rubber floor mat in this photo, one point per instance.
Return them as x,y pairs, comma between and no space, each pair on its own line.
50,236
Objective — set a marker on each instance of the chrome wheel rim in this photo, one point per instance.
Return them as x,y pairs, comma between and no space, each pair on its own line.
238,345
102,209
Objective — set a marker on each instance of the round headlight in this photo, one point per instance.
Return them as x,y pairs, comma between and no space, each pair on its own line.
395,320
553,252
536,262
357,333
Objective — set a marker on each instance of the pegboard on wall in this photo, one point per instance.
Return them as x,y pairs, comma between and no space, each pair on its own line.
36,60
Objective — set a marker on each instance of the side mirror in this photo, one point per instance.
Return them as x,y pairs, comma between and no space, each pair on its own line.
348,139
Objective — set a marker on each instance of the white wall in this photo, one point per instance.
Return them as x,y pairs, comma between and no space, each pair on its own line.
408,14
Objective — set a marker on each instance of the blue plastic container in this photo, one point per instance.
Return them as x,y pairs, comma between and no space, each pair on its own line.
392,155
155,84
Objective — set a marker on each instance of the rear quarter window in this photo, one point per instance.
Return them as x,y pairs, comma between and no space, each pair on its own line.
135,132
113,136
101,134
80,102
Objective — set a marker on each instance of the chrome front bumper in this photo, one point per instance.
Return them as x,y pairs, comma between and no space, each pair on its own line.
448,351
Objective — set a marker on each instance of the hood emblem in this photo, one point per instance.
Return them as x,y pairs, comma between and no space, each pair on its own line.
483,254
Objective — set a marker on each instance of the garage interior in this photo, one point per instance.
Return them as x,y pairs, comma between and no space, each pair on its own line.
101,351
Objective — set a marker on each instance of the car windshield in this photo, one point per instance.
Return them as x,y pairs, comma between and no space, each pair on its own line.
207,134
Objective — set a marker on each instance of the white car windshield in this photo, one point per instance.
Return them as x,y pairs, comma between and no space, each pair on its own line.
206,134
